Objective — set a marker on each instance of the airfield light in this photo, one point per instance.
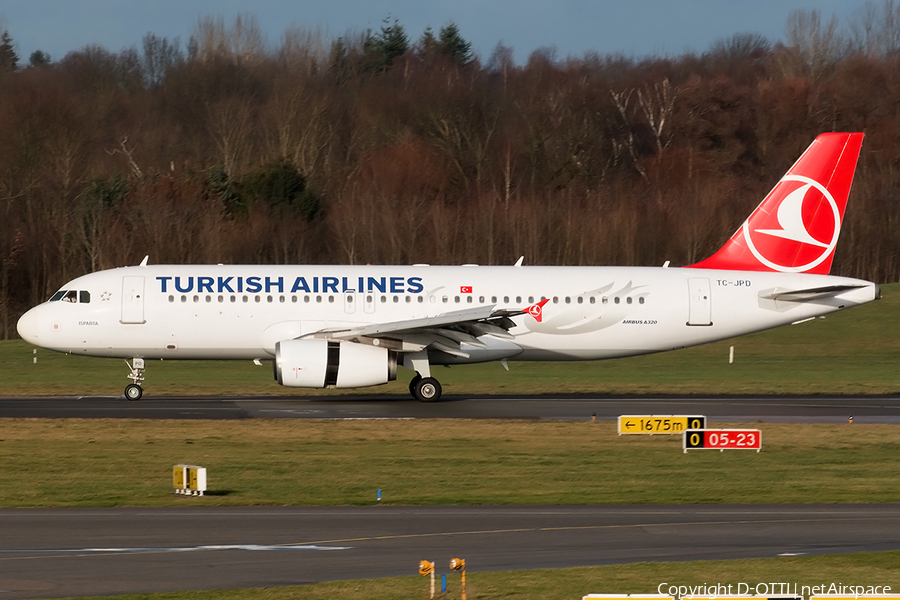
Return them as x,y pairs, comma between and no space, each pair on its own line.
427,568
459,564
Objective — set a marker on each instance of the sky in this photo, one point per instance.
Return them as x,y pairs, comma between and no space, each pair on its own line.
634,28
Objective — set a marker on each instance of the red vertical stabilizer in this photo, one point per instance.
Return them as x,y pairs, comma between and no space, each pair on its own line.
796,228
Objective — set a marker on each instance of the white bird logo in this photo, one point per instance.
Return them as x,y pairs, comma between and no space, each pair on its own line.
790,217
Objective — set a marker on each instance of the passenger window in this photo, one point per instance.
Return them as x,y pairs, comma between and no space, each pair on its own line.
628,300
171,298
641,300
84,297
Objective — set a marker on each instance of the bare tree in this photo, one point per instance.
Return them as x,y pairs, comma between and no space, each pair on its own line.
813,46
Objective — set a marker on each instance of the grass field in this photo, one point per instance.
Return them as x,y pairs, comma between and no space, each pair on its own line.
852,352
876,568
298,462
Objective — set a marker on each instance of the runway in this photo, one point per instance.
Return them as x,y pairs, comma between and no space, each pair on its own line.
807,409
46,553
63,552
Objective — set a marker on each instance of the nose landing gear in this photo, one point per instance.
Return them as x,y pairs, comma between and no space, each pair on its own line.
134,391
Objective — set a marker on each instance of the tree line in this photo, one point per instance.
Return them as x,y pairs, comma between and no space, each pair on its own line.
376,148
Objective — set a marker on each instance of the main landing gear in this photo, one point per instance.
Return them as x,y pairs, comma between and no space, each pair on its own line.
425,389
423,386
134,391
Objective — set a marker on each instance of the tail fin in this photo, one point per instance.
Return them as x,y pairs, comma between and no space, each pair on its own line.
795,229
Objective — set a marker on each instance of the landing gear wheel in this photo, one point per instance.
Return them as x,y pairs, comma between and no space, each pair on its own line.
412,385
133,392
427,389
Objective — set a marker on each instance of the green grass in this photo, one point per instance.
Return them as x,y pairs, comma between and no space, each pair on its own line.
852,352
875,568
297,462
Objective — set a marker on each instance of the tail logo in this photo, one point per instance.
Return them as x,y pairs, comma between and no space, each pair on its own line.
803,226
537,310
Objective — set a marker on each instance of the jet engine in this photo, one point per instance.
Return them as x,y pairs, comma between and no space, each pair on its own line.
319,363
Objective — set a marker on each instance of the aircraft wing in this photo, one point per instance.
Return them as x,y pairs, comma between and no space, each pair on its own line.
444,332
807,295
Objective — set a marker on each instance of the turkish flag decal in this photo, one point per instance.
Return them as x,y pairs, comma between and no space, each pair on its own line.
465,289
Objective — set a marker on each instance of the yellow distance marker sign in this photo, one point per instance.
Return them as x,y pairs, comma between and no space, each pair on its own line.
660,424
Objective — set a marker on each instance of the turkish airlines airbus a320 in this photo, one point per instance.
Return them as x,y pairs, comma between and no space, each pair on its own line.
350,326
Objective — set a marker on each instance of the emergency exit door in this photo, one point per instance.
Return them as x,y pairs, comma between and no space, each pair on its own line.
699,302
133,300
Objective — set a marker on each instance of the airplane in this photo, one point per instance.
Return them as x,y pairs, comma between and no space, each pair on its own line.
351,326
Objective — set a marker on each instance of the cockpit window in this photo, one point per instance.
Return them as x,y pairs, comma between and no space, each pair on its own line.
74,296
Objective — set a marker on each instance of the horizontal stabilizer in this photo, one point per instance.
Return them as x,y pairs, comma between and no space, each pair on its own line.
807,295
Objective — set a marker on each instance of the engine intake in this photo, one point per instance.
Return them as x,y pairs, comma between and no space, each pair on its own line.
319,363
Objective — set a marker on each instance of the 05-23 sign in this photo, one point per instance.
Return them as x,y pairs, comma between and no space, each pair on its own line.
722,439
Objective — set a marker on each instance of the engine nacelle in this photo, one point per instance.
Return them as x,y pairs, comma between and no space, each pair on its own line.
319,363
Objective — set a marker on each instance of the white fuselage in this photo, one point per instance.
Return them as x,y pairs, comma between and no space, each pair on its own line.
241,312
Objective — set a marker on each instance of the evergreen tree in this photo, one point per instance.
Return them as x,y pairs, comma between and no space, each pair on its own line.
39,58
454,46
428,45
9,60
383,48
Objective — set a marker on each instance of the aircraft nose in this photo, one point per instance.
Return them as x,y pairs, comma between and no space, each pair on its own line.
29,327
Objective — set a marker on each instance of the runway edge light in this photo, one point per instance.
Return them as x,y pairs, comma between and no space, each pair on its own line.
426,567
459,564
